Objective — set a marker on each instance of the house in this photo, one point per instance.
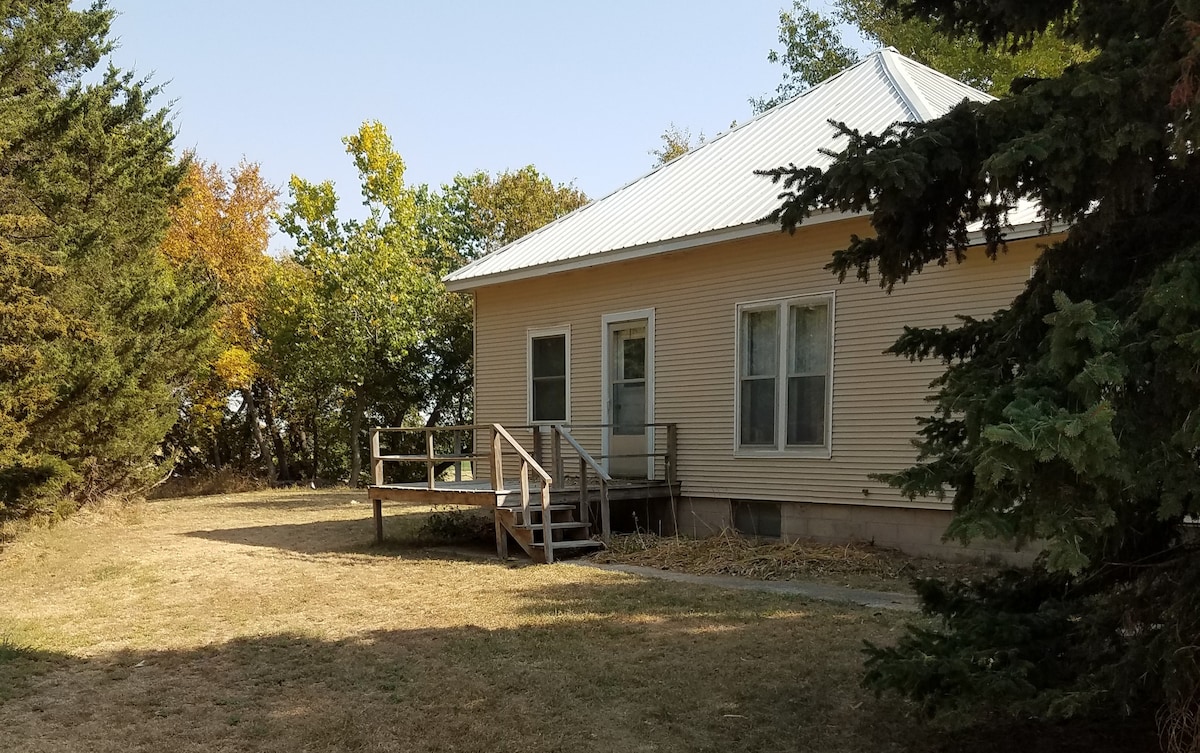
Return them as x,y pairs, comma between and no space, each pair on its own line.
670,304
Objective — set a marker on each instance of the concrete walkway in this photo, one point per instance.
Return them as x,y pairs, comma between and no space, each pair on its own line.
808,590
805,589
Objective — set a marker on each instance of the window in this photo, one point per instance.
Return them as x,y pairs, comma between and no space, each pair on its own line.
785,374
762,520
549,375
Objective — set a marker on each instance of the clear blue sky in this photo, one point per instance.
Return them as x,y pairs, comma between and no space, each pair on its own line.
581,90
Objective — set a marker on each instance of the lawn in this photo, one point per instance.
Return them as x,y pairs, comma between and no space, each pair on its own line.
266,622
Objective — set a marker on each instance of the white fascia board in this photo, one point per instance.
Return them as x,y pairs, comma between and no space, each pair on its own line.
638,252
976,238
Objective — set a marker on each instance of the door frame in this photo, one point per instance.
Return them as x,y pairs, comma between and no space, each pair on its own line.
606,322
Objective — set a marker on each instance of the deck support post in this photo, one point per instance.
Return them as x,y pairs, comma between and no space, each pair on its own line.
672,458
430,463
605,518
501,537
378,520
556,457
497,463
376,463
537,444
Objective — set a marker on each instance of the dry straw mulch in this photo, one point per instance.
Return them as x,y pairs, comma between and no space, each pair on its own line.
856,564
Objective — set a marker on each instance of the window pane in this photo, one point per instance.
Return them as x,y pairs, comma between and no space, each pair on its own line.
629,408
763,519
633,358
549,356
810,339
550,399
760,338
758,412
806,410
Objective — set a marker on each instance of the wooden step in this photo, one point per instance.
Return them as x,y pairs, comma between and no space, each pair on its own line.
535,508
553,526
582,544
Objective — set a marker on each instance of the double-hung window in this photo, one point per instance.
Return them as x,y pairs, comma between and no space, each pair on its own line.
785,375
549,375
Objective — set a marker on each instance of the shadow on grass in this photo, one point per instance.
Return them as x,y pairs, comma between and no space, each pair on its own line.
589,684
405,538
317,537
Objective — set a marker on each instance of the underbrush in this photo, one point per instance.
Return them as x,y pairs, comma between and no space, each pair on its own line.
221,482
452,525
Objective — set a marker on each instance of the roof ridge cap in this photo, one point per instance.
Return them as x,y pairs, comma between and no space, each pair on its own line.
908,91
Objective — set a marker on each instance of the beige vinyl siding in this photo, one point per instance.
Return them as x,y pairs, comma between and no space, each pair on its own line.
695,294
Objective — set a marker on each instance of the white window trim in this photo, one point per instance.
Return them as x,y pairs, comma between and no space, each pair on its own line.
530,334
781,448
606,321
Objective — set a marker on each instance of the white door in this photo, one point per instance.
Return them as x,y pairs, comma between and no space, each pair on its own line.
628,404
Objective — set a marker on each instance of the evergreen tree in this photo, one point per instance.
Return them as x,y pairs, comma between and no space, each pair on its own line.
1071,418
103,331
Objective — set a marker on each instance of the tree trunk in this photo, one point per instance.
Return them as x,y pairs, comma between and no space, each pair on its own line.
315,453
264,448
356,424
216,446
281,448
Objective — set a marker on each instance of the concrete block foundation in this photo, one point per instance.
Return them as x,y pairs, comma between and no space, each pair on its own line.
913,531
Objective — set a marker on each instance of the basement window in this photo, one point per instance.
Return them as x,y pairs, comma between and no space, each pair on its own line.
762,520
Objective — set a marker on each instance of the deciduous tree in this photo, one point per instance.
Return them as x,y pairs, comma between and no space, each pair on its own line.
219,233
813,48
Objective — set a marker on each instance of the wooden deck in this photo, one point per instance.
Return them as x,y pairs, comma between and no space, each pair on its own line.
481,493
575,516
508,500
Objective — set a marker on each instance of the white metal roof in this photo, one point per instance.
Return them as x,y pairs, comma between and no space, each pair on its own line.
711,193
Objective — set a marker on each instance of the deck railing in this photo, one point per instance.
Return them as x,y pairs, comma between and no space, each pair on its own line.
658,434
500,436
458,455
590,466
586,462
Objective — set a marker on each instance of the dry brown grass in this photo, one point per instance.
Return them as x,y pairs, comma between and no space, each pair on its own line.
265,622
857,565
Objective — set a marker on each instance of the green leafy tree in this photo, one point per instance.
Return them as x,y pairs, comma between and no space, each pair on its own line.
813,48
362,290
813,51
676,142
1071,417
479,213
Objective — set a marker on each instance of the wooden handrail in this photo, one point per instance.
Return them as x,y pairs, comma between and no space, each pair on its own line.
521,452
583,454
392,429
587,461
527,464
430,459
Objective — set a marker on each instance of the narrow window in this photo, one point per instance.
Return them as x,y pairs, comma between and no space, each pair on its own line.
759,370
548,377
808,373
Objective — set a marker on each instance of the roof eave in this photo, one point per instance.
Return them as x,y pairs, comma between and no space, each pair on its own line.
1015,233
737,232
